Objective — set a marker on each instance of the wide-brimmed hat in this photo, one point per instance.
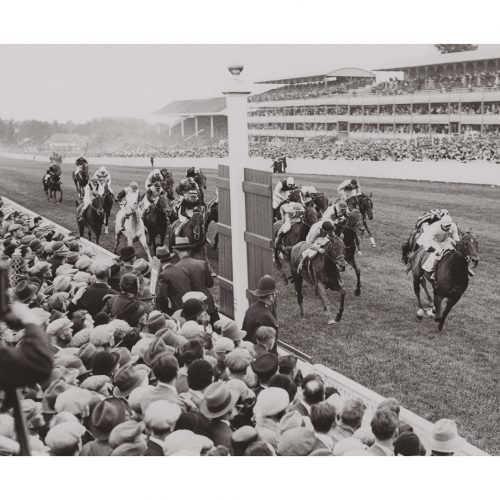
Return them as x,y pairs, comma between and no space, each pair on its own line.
192,308
219,400
127,379
127,253
231,331
266,286
163,254
156,321
141,267
105,417
181,243
126,357
24,291
194,295
444,437
87,353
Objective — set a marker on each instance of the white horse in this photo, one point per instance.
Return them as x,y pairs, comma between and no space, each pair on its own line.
134,228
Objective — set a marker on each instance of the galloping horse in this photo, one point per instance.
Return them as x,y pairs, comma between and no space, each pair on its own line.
298,232
108,205
212,216
452,276
168,183
322,272
134,229
320,202
81,179
92,218
156,221
52,186
351,232
364,204
294,196
194,231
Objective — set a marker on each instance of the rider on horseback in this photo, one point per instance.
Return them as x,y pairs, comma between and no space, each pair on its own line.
103,178
319,234
436,239
282,191
90,191
307,191
349,188
80,163
189,203
128,199
430,217
152,196
52,170
336,213
154,176
292,213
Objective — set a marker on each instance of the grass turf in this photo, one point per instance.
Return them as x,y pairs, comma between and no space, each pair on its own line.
379,342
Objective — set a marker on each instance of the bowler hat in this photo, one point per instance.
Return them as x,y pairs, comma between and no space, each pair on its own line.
219,400
126,253
105,362
192,308
266,286
87,354
163,254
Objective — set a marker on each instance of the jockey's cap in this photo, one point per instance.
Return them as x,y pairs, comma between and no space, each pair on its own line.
197,170
81,161
156,171
102,170
290,181
327,226
341,205
133,184
157,184
446,221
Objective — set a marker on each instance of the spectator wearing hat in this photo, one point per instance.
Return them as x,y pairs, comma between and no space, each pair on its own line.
128,439
408,444
237,363
127,259
279,380
231,331
105,363
444,439
92,298
65,439
59,252
219,406
165,368
313,392
384,426
60,331
242,438
200,375
126,305
266,338
200,278
25,292
173,282
269,408
190,351
264,368
193,310
351,418
260,313
160,419
299,441
323,419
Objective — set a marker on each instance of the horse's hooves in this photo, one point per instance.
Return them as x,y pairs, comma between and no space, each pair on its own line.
331,322
357,292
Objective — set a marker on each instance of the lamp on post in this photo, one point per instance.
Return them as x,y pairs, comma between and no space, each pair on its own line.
236,104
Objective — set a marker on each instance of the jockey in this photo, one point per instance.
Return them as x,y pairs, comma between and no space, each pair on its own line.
185,209
307,191
128,200
282,190
430,217
349,188
154,176
79,163
103,178
336,213
90,191
52,170
436,238
292,213
319,234
152,196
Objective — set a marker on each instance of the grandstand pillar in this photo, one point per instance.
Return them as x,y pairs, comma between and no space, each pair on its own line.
182,127
196,126
236,100
212,126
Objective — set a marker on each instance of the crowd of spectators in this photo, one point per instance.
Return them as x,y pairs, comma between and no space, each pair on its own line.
105,368
461,148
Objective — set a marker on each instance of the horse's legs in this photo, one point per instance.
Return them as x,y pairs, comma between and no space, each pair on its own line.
416,289
324,299
449,305
372,239
144,243
60,197
297,281
118,237
341,306
437,306
423,283
352,263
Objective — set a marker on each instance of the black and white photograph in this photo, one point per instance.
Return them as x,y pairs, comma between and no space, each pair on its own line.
249,250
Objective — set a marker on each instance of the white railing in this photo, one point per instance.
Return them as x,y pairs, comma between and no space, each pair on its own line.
347,388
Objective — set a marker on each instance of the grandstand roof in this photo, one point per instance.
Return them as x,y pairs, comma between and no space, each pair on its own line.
212,106
479,54
66,138
338,73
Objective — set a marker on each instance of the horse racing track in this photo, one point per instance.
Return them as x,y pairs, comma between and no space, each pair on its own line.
379,342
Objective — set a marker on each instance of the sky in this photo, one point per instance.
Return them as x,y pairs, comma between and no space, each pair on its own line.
82,82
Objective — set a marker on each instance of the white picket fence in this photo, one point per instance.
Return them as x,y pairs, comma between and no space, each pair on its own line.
347,388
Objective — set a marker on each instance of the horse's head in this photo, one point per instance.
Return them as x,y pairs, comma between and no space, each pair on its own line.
201,179
468,247
310,216
98,204
335,251
197,224
295,196
355,222
366,205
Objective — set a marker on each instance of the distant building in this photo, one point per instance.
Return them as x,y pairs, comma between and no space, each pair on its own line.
67,144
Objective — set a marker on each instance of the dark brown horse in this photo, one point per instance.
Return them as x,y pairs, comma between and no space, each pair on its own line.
452,276
320,202
156,221
322,272
298,232
108,201
294,196
81,179
212,216
92,218
363,203
168,183
194,231
351,232
52,186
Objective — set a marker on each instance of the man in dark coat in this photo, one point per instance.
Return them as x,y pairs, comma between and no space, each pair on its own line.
173,282
92,298
200,275
260,313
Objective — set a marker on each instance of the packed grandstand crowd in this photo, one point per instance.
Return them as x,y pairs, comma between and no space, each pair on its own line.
105,367
445,82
